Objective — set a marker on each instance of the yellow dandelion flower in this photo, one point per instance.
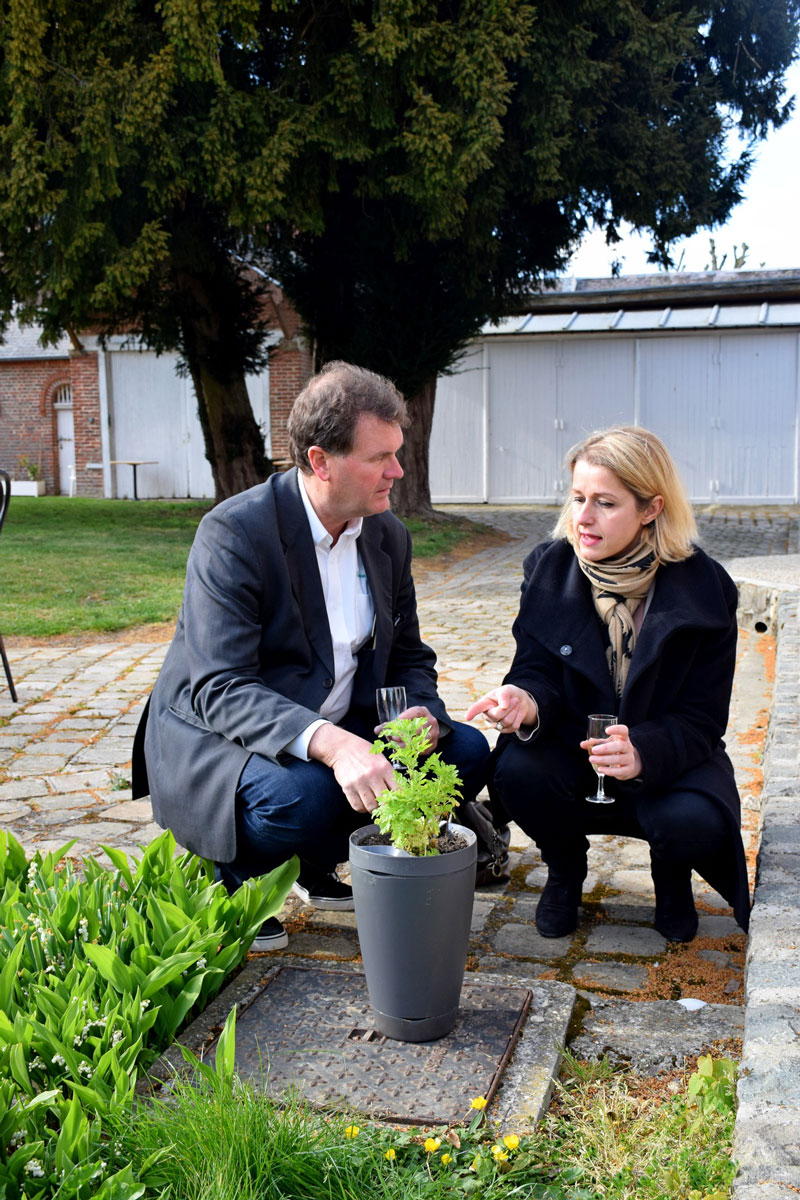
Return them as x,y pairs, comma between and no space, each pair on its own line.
478,1102
432,1145
352,1131
391,1154
511,1141
446,1158
499,1154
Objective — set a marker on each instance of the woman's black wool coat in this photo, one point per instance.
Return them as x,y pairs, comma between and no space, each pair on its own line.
677,695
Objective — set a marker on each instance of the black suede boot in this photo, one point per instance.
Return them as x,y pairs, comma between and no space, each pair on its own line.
557,910
676,916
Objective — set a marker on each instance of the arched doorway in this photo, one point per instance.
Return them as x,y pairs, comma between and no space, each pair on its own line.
65,432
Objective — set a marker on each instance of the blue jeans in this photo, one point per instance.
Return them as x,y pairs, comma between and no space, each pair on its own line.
297,807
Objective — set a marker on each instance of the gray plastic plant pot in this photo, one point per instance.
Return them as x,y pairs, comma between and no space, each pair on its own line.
413,917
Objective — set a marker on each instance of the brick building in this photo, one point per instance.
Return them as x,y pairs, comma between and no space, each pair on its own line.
78,412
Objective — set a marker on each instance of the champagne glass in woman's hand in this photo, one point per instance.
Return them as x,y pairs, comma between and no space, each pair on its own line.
390,702
596,732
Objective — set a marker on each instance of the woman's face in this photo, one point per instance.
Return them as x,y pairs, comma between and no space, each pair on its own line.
606,519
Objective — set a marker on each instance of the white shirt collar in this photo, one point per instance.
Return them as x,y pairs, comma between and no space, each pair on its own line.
318,531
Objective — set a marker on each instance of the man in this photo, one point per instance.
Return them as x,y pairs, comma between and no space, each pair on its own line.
298,604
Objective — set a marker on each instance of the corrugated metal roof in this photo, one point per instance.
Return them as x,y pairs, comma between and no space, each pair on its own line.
691,289
19,342
666,319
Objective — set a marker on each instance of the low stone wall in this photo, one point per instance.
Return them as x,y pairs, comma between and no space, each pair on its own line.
767,1134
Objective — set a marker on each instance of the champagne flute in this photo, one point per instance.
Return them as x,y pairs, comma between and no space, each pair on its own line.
390,702
596,732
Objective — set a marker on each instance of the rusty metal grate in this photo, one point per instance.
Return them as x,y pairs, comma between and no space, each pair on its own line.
308,1031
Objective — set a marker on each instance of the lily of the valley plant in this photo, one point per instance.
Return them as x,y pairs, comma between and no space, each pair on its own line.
427,789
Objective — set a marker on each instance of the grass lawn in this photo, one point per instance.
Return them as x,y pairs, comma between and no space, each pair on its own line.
73,565
601,1140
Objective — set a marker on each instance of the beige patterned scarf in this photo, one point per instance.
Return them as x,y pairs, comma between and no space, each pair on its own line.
619,586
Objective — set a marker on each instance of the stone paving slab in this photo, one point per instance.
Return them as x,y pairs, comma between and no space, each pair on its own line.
654,1036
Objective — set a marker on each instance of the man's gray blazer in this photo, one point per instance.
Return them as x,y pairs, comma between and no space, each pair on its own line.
251,661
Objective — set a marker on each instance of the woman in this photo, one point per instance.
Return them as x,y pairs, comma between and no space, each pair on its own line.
622,614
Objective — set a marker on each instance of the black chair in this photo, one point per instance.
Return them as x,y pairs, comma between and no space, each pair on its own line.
5,497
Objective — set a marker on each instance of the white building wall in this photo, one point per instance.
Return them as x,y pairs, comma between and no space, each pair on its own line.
724,401
678,389
153,416
522,388
458,436
756,442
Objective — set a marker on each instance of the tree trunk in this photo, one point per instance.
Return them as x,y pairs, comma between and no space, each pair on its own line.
411,495
212,304
233,440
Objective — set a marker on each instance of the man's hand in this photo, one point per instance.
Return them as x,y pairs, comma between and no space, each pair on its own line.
361,775
419,710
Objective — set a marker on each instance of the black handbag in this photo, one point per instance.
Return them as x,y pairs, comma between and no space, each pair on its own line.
490,825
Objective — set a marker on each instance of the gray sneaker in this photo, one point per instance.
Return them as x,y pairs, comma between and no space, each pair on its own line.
324,889
271,936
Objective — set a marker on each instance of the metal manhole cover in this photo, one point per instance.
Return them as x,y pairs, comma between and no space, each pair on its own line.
310,1031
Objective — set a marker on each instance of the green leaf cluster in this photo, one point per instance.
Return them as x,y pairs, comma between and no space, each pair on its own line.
502,133
405,170
713,1085
217,1135
97,974
426,791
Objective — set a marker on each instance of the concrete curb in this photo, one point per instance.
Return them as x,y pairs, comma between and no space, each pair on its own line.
767,1132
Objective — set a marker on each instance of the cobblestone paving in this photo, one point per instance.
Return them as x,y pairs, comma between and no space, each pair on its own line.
65,767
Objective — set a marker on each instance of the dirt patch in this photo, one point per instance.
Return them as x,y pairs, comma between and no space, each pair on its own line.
767,647
657,1089
152,634
755,735
482,539
684,972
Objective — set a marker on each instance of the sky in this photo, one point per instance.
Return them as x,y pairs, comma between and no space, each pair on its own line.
767,219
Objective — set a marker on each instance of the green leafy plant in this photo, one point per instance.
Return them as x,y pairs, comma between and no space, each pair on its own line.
427,789
713,1085
216,1135
28,467
97,974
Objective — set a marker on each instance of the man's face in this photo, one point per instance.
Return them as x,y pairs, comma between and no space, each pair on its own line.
359,483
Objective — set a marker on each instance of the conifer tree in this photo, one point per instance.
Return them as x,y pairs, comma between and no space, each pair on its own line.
405,169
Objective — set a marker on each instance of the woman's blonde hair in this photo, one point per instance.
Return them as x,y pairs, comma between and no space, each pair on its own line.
641,462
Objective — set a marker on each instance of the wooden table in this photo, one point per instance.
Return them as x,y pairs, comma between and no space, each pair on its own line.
134,462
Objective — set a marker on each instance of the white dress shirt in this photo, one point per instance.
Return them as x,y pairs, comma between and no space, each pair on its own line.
351,615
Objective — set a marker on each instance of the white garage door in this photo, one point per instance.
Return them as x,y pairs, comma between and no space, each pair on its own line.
153,415
725,403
